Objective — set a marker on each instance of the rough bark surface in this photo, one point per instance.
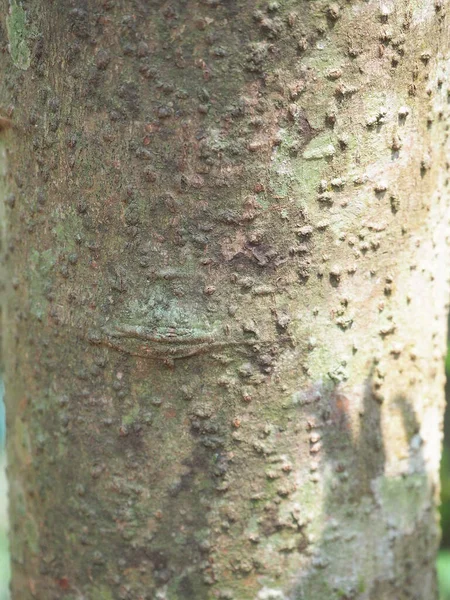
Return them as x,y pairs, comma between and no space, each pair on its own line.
224,320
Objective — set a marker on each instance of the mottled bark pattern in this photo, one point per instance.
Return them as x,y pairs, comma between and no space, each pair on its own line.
226,296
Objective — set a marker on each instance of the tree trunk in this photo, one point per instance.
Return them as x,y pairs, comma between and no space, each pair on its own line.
225,306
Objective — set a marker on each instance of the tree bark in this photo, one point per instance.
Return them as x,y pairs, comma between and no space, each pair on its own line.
226,292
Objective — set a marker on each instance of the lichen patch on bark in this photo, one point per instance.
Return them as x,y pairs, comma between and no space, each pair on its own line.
18,34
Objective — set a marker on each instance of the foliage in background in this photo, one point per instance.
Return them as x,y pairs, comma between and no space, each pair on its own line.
443,567
445,496
443,564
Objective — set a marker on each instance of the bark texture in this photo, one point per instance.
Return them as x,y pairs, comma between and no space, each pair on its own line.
225,312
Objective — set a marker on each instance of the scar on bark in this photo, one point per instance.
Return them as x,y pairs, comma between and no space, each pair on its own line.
169,343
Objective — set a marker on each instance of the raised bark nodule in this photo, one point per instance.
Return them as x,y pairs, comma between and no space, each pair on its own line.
226,269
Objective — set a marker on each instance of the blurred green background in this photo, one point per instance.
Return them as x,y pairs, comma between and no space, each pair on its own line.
443,561
444,555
